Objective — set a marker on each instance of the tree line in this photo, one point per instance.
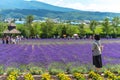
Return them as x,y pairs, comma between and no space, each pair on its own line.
49,28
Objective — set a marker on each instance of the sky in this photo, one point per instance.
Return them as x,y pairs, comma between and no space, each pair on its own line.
88,5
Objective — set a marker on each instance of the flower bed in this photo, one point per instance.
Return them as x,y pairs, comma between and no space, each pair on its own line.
62,76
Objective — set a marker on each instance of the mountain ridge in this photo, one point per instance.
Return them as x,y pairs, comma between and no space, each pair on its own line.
39,13
16,4
21,9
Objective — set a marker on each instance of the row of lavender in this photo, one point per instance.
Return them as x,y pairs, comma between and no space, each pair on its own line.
16,55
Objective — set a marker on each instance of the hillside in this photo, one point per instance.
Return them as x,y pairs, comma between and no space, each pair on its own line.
39,13
22,8
22,4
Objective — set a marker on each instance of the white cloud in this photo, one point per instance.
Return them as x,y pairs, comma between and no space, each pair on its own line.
88,5
111,7
58,2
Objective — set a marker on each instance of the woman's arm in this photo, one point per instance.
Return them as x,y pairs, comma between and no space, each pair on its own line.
101,47
93,47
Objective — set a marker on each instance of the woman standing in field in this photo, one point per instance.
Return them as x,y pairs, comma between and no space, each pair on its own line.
96,52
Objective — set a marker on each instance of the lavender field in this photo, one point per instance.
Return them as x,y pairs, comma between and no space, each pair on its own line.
45,52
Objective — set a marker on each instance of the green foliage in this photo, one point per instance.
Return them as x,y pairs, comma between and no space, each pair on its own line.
79,76
57,65
28,76
55,71
29,19
106,24
11,70
71,30
116,21
63,76
93,25
46,76
37,30
47,29
23,68
115,24
3,26
113,68
1,70
33,29
82,29
79,70
36,70
98,29
64,29
25,31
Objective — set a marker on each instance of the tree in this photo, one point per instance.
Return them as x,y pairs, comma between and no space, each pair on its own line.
3,26
35,29
82,29
25,31
106,25
29,20
64,29
59,29
47,28
115,24
72,30
43,30
93,25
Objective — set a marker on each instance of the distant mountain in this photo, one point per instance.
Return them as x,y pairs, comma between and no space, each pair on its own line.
22,4
39,13
22,8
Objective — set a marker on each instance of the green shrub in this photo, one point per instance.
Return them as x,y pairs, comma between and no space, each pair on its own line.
78,70
57,65
113,68
12,70
23,68
55,71
1,70
35,70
